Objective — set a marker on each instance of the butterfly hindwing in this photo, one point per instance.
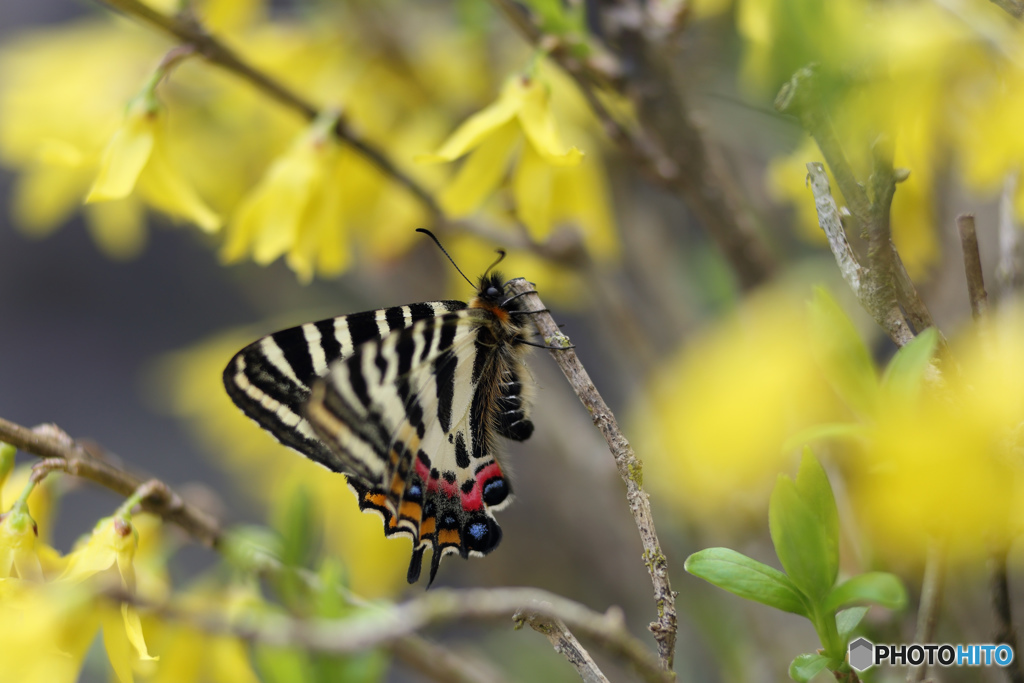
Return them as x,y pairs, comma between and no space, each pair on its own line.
416,408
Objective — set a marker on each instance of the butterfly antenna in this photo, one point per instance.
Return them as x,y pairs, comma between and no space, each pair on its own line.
501,257
445,252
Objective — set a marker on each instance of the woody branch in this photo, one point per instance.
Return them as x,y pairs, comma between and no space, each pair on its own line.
629,466
376,625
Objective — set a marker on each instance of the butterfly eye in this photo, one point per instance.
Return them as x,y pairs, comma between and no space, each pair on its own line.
493,292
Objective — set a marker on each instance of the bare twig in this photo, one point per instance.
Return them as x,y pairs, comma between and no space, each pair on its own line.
441,664
565,643
61,452
882,308
186,28
1015,8
886,290
629,466
931,600
972,267
831,222
378,626
1010,269
1006,632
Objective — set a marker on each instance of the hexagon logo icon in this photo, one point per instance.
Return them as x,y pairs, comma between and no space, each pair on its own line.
861,654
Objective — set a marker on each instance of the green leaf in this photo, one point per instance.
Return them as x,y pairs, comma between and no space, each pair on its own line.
297,520
251,548
556,17
840,351
878,588
747,578
814,488
847,620
839,431
364,667
905,374
800,539
281,665
807,666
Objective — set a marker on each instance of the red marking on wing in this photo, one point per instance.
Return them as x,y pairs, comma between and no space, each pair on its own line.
474,500
423,471
450,490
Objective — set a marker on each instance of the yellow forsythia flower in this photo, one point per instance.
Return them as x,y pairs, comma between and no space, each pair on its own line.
520,121
18,536
108,556
717,415
944,462
137,158
295,210
193,656
37,625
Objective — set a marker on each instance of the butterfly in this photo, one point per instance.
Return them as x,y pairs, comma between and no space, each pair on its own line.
407,403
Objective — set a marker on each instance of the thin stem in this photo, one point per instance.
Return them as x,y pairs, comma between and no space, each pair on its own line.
1015,8
379,626
931,601
1010,268
972,265
1006,632
629,466
187,29
565,643
885,290
60,452
882,308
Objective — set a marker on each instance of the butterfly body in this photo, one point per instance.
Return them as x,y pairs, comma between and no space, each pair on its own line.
406,402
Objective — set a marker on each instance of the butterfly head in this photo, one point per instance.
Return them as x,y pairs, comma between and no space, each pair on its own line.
492,296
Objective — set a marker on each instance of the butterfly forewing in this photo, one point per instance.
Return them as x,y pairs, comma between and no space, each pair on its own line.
405,401
270,379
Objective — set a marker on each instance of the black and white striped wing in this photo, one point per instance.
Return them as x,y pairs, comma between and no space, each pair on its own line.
411,415
270,379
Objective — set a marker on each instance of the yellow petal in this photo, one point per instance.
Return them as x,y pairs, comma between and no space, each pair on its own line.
125,155
133,629
532,185
118,227
481,172
167,190
538,123
321,244
119,648
46,196
479,126
267,221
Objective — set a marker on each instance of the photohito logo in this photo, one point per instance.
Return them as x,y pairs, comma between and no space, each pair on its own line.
864,654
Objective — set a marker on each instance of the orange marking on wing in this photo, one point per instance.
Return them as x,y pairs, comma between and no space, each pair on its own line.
427,528
449,537
411,510
377,499
398,486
